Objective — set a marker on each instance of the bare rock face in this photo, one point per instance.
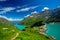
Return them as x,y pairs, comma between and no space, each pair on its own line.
42,29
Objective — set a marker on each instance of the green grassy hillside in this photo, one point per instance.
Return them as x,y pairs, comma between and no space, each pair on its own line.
31,34
7,30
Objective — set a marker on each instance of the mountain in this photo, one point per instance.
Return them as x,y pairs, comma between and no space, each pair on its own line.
7,30
43,17
55,16
5,21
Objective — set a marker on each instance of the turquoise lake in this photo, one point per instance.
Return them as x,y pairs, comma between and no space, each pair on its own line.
53,30
20,27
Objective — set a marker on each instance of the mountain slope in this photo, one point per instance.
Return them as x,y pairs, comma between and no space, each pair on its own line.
42,17
55,16
7,30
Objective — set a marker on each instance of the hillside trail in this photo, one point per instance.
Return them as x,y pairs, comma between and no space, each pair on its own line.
17,34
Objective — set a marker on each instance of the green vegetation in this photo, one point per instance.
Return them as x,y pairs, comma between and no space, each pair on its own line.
43,17
31,34
32,21
35,20
7,30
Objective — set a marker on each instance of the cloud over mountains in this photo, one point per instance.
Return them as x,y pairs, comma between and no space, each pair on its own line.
10,19
6,9
45,8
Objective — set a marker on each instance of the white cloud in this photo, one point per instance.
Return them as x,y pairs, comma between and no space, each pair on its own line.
34,7
3,0
27,9
27,15
24,9
14,19
3,17
31,13
34,12
7,9
11,19
45,8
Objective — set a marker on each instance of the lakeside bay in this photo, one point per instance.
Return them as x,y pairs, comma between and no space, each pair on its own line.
53,30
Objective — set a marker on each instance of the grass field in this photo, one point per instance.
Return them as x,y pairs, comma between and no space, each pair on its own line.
30,34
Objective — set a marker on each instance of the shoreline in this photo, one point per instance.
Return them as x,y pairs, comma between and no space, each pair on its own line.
53,22
51,37
43,30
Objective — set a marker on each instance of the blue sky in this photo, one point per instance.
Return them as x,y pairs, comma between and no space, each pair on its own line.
18,9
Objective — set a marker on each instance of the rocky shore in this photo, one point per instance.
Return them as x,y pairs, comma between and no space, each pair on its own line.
43,30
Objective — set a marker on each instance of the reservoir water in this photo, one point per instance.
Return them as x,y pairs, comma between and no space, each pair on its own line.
20,27
53,30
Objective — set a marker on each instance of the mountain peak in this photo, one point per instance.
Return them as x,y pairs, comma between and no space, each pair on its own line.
45,8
